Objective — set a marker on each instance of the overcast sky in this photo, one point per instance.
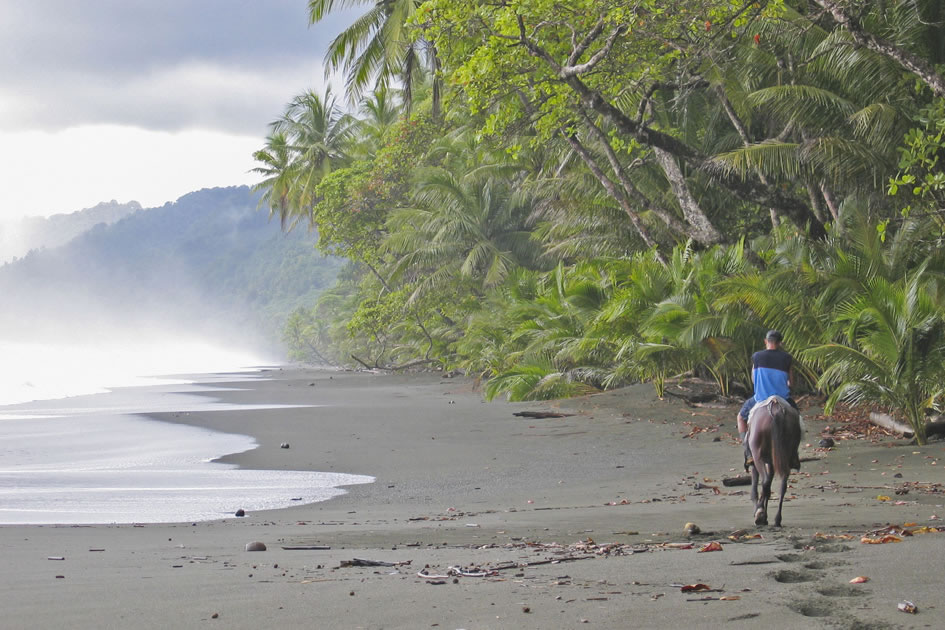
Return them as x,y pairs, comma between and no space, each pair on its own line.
144,100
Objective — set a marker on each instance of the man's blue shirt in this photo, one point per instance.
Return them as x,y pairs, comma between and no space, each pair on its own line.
771,371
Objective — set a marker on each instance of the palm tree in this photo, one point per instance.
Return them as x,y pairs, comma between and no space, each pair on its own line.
466,224
378,50
379,112
813,113
307,142
279,175
551,350
895,333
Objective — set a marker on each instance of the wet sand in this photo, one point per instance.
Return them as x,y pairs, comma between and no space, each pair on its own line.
595,503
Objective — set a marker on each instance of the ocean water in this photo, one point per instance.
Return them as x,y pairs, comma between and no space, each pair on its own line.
80,456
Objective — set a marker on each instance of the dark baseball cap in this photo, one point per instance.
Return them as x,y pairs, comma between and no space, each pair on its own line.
774,335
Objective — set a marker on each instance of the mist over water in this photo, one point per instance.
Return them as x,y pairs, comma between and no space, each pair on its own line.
75,446
41,370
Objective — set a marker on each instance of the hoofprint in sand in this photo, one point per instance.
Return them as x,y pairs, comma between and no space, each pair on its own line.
482,519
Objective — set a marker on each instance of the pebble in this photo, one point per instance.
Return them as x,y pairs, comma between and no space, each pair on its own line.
826,443
240,512
284,445
255,546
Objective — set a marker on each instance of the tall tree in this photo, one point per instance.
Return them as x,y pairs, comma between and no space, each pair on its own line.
555,63
378,50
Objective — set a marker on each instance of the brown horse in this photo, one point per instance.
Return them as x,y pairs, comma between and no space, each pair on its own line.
774,435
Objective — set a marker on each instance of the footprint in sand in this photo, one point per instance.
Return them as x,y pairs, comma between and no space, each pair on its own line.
820,565
812,607
789,576
822,602
840,590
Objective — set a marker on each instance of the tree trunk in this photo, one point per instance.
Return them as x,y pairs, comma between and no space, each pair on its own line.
703,230
913,63
664,214
746,141
749,190
609,187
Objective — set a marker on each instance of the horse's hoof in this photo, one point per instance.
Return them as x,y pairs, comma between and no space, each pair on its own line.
760,517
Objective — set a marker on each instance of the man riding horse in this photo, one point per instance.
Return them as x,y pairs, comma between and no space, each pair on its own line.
771,374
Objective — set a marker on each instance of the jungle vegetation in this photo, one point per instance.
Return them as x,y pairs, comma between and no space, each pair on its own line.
561,197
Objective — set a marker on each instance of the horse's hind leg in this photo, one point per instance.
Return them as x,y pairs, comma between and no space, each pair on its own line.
754,485
777,518
761,518
761,512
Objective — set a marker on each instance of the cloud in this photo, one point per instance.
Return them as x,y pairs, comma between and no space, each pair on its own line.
145,100
188,95
63,171
228,65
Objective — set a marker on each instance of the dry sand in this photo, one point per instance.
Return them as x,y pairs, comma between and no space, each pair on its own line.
605,493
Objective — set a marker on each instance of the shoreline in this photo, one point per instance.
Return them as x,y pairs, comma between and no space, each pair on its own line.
462,482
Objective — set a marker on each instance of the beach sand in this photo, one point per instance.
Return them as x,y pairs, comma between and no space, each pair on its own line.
594,502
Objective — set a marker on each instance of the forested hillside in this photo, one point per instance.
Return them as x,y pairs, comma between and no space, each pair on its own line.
19,237
211,258
569,196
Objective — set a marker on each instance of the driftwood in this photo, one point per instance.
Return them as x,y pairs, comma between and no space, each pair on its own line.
934,428
885,421
537,415
741,480
534,563
361,562
307,547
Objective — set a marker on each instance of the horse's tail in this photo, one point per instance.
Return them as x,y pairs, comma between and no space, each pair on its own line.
786,436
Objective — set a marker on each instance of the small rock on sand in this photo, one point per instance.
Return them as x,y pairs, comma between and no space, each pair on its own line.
255,546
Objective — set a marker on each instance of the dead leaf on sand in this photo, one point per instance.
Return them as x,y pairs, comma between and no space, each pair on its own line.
712,546
882,540
693,588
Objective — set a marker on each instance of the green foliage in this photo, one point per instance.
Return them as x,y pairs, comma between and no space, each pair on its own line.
630,191
895,341
919,166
